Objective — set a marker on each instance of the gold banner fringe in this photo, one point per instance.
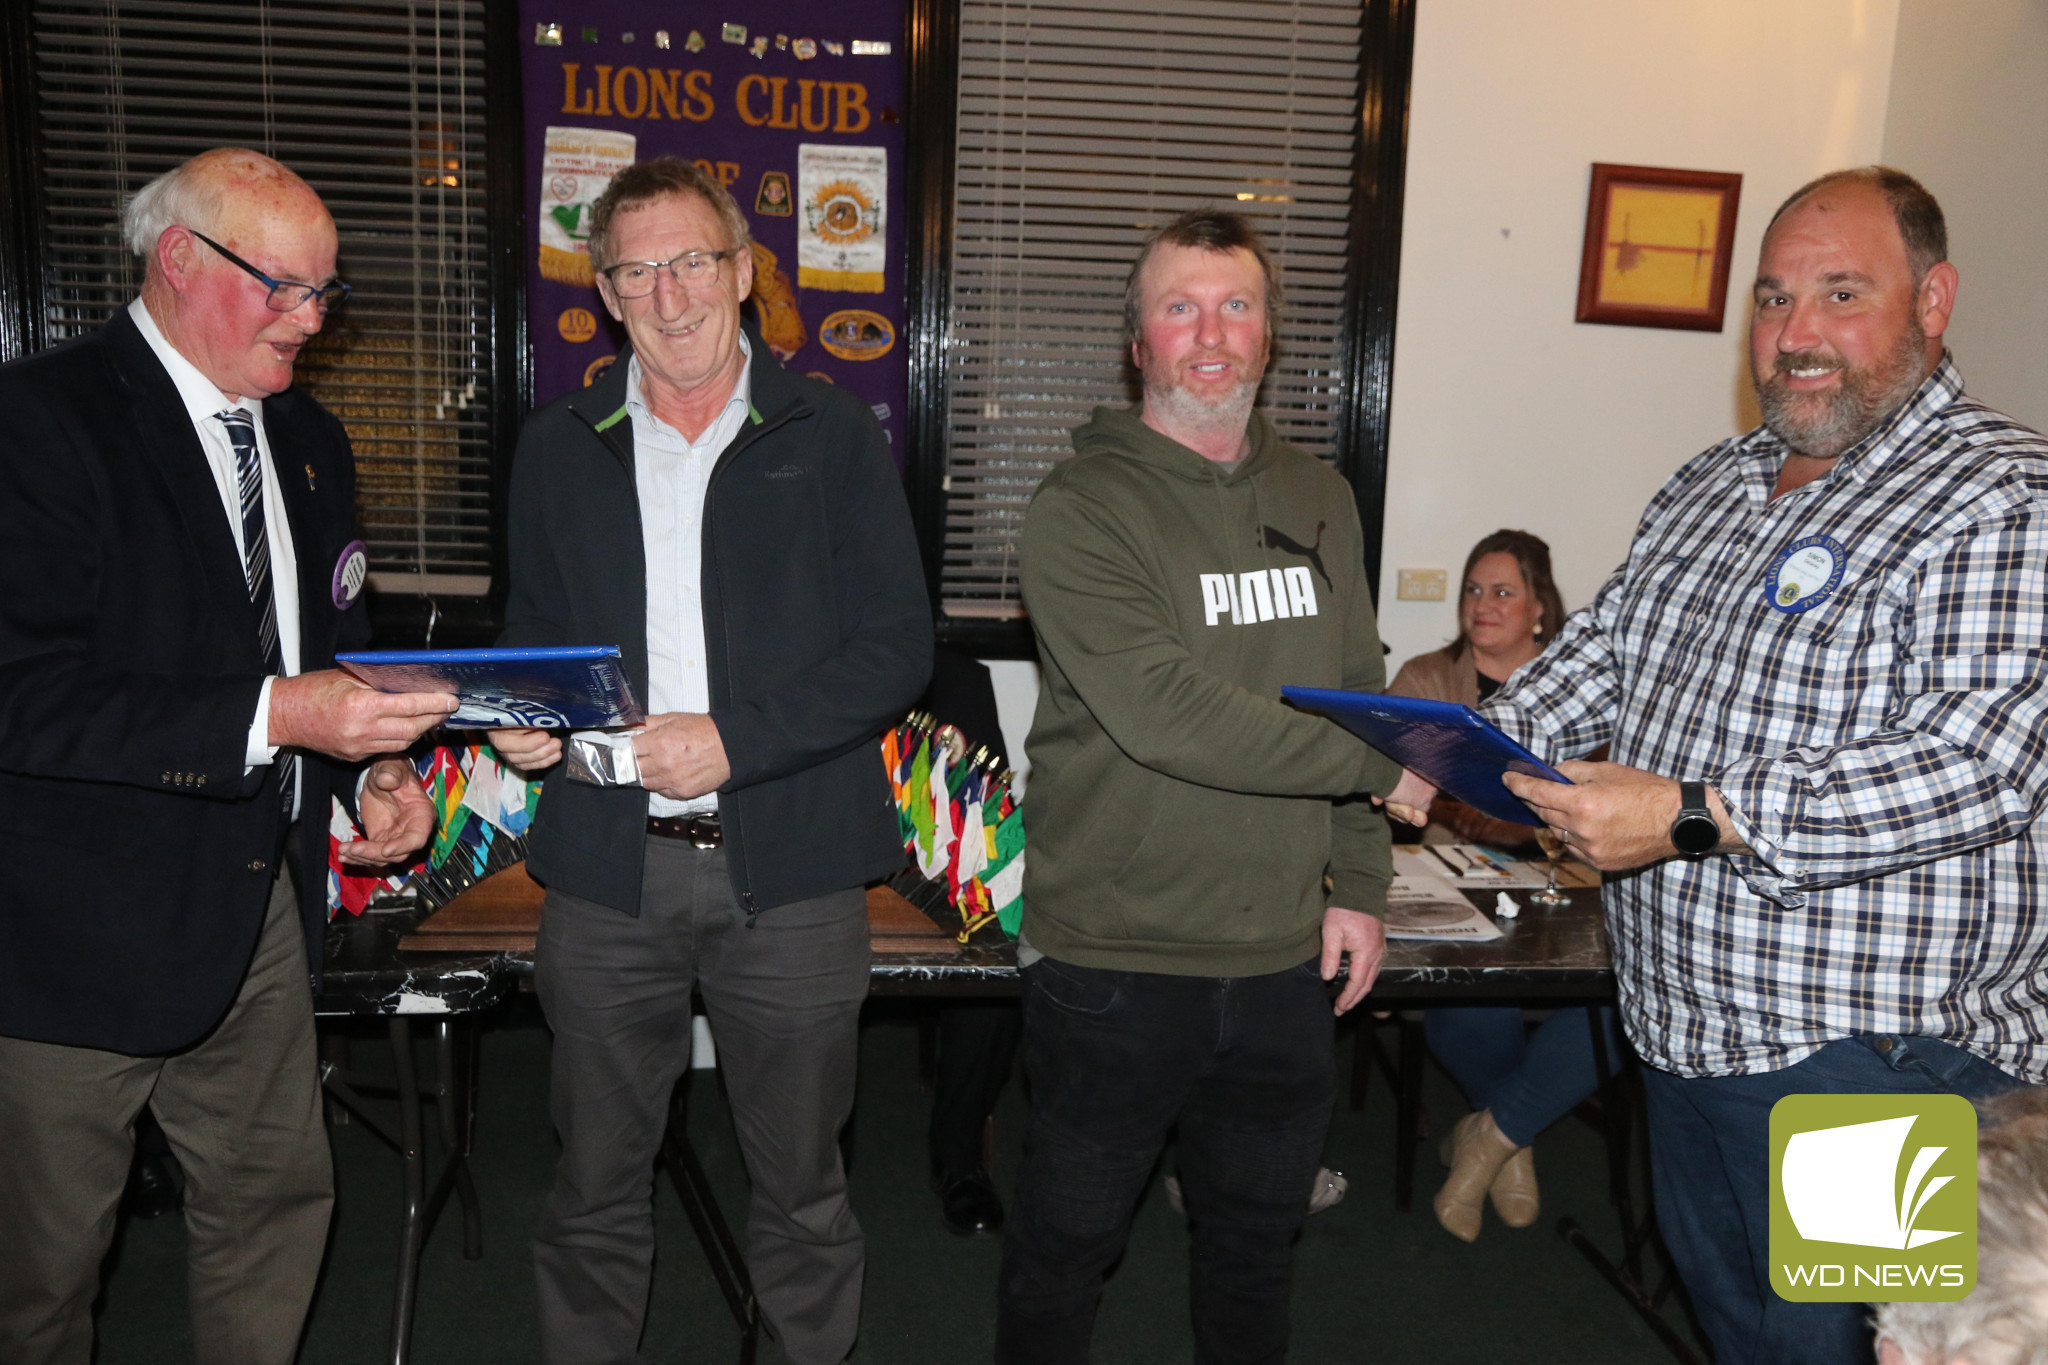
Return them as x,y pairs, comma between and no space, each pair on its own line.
566,267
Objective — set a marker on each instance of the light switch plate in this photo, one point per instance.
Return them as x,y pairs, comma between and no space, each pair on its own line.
1423,585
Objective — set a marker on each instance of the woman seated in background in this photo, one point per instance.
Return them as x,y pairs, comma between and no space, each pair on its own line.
1518,1083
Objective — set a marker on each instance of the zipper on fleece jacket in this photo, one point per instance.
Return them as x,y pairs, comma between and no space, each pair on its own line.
761,427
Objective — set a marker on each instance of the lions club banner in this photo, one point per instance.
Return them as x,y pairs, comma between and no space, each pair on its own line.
795,107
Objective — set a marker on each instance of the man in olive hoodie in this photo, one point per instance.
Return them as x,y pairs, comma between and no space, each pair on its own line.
1180,569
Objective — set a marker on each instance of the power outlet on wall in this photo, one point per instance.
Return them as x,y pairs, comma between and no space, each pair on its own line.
1423,585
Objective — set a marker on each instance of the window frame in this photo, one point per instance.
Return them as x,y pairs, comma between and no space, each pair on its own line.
397,619
1366,359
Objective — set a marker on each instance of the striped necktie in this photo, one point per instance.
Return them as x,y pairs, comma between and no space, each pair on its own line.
241,431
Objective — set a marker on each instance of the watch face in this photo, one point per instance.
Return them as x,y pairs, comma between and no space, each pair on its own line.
1695,835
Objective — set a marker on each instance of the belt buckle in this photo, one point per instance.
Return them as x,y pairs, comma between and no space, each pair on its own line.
704,833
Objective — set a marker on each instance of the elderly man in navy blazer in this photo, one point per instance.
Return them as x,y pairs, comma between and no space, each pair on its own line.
180,565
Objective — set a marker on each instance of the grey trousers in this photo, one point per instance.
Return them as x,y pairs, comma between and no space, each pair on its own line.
242,1111
784,1000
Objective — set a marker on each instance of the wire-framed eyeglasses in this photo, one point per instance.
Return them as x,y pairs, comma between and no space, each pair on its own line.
285,296
693,270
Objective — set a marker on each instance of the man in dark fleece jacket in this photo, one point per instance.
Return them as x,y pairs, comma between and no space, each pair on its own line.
740,533
1182,568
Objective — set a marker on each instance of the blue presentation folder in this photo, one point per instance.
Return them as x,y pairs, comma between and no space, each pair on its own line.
1451,745
576,687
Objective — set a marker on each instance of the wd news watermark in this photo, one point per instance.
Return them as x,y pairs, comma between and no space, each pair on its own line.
1873,1198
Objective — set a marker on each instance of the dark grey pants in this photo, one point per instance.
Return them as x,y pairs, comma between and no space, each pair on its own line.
784,999
242,1111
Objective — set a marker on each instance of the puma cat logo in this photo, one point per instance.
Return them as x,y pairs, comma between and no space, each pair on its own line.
1279,540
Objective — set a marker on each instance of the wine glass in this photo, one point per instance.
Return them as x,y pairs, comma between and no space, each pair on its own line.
1553,850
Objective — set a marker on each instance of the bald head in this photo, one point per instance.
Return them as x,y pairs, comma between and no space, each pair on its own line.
1923,230
205,229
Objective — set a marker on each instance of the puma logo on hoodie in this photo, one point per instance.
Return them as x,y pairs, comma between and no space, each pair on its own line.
1260,595
1276,539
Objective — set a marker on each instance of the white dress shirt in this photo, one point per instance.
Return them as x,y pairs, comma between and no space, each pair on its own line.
672,474
202,400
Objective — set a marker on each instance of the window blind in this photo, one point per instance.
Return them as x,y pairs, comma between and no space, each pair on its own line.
1082,127
379,104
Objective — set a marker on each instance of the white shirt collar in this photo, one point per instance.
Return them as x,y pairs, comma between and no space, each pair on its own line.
742,392
201,397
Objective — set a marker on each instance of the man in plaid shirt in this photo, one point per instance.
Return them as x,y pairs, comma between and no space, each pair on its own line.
1824,673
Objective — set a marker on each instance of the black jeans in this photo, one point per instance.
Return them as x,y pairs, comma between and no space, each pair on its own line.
1117,1059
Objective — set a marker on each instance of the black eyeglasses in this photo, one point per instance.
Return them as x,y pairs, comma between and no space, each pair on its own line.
285,296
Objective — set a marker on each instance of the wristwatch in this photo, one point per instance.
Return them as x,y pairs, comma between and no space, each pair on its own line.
1694,833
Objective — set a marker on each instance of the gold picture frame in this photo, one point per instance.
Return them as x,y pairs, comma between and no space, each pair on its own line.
1657,247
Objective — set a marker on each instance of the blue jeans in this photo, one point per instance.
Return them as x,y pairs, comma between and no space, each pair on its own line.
1710,1154
1115,1059
1528,1080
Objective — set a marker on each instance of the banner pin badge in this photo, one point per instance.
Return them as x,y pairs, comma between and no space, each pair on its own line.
759,46
589,34
805,49
734,33
547,35
661,39
351,571
782,42
695,42
836,49
627,36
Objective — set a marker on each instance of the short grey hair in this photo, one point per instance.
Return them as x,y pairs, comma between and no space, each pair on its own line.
664,177
193,194
2004,1319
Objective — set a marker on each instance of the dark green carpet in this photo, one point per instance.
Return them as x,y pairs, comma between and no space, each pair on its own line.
1372,1284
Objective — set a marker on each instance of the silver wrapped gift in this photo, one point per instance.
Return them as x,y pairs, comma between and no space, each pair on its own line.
603,758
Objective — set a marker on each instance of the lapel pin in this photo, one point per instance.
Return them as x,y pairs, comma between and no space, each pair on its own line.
309,479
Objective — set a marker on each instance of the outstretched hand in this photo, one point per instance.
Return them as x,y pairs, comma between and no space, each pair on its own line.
1614,817
398,818
331,713
1409,801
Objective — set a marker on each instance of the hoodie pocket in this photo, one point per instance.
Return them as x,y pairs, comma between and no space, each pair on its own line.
1218,867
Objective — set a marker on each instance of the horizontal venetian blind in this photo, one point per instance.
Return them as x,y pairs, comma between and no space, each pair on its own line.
1082,127
379,104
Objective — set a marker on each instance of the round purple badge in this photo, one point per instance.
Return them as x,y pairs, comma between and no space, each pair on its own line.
350,572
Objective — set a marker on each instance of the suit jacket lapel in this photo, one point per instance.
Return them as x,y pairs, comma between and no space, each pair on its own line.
171,454
288,452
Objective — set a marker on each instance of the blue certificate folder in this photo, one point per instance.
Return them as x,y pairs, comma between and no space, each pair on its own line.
580,687
1451,745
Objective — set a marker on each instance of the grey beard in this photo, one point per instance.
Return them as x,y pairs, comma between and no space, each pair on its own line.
1228,416
1865,399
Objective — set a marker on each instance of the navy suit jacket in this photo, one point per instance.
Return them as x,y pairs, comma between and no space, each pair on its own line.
136,857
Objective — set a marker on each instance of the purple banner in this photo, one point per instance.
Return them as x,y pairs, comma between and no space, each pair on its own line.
797,108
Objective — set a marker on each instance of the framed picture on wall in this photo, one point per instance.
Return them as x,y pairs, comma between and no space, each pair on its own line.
1657,247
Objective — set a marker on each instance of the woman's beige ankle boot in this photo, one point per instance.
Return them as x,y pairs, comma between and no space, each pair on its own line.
1475,1151
1514,1189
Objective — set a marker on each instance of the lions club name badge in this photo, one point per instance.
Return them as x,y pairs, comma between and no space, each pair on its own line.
1804,574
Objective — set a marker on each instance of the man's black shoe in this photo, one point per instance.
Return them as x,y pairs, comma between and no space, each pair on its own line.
152,1188
970,1205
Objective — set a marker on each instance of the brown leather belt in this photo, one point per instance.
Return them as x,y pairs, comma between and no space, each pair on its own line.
701,831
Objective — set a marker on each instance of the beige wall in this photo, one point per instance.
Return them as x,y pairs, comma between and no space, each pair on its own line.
1506,412
1968,115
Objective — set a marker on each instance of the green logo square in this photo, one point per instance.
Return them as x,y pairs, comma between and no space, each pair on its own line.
1873,1198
